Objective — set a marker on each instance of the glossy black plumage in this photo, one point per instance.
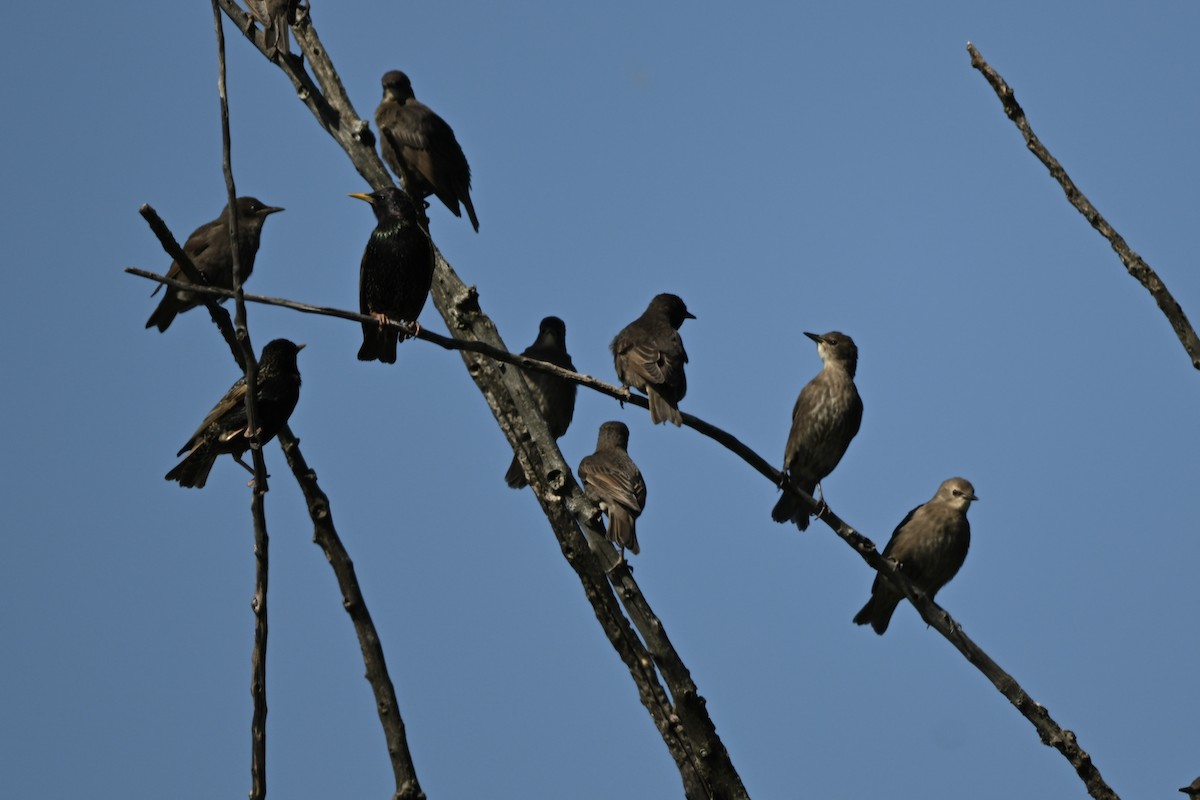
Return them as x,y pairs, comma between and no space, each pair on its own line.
225,430
930,545
648,355
614,483
555,397
396,271
209,249
825,418
426,156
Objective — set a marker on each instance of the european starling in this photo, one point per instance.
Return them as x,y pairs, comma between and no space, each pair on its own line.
208,248
555,397
225,429
1193,789
275,16
825,418
930,545
396,272
613,482
429,160
649,356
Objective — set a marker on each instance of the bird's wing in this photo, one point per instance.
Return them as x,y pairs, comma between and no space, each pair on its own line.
613,484
228,409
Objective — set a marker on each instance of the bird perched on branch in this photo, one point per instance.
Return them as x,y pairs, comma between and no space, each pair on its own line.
648,355
825,419
275,17
226,429
396,272
421,148
209,249
555,396
613,482
930,545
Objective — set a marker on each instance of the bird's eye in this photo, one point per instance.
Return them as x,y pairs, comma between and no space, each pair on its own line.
957,493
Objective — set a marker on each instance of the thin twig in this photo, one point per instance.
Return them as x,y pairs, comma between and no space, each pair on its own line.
1136,267
258,659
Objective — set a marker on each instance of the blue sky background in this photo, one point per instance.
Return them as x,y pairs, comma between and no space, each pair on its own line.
782,167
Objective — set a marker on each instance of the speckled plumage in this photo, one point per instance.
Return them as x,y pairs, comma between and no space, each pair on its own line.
930,545
648,355
225,430
555,397
396,271
613,482
826,417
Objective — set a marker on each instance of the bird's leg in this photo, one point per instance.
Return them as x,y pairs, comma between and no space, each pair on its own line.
820,498
620,561
381,318
416,330
245,466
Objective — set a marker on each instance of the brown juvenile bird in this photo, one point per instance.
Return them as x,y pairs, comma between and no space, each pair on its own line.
1192,790
613,482
930,545
649,356
420,148
225,429
555,396
209,249
395,274
275,17
825,419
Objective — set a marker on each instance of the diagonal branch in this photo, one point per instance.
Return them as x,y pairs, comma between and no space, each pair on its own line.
553,472
326,537
688,731
1136,267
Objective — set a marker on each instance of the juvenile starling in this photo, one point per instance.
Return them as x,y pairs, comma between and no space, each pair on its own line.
613,482
825,418
649,356
396,272
208,248
225,429
1192,790
930,545
555,397
275,16
429,160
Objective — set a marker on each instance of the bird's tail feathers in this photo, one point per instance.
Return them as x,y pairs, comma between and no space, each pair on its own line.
661,410
378,345
622,529
789,508
515,477
877,612
192,472
163,315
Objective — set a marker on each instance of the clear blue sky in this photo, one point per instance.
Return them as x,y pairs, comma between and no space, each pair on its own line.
783,168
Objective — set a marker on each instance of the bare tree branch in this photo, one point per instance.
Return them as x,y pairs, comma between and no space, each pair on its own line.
258,659
1136,267
685,726
647,624
325,535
